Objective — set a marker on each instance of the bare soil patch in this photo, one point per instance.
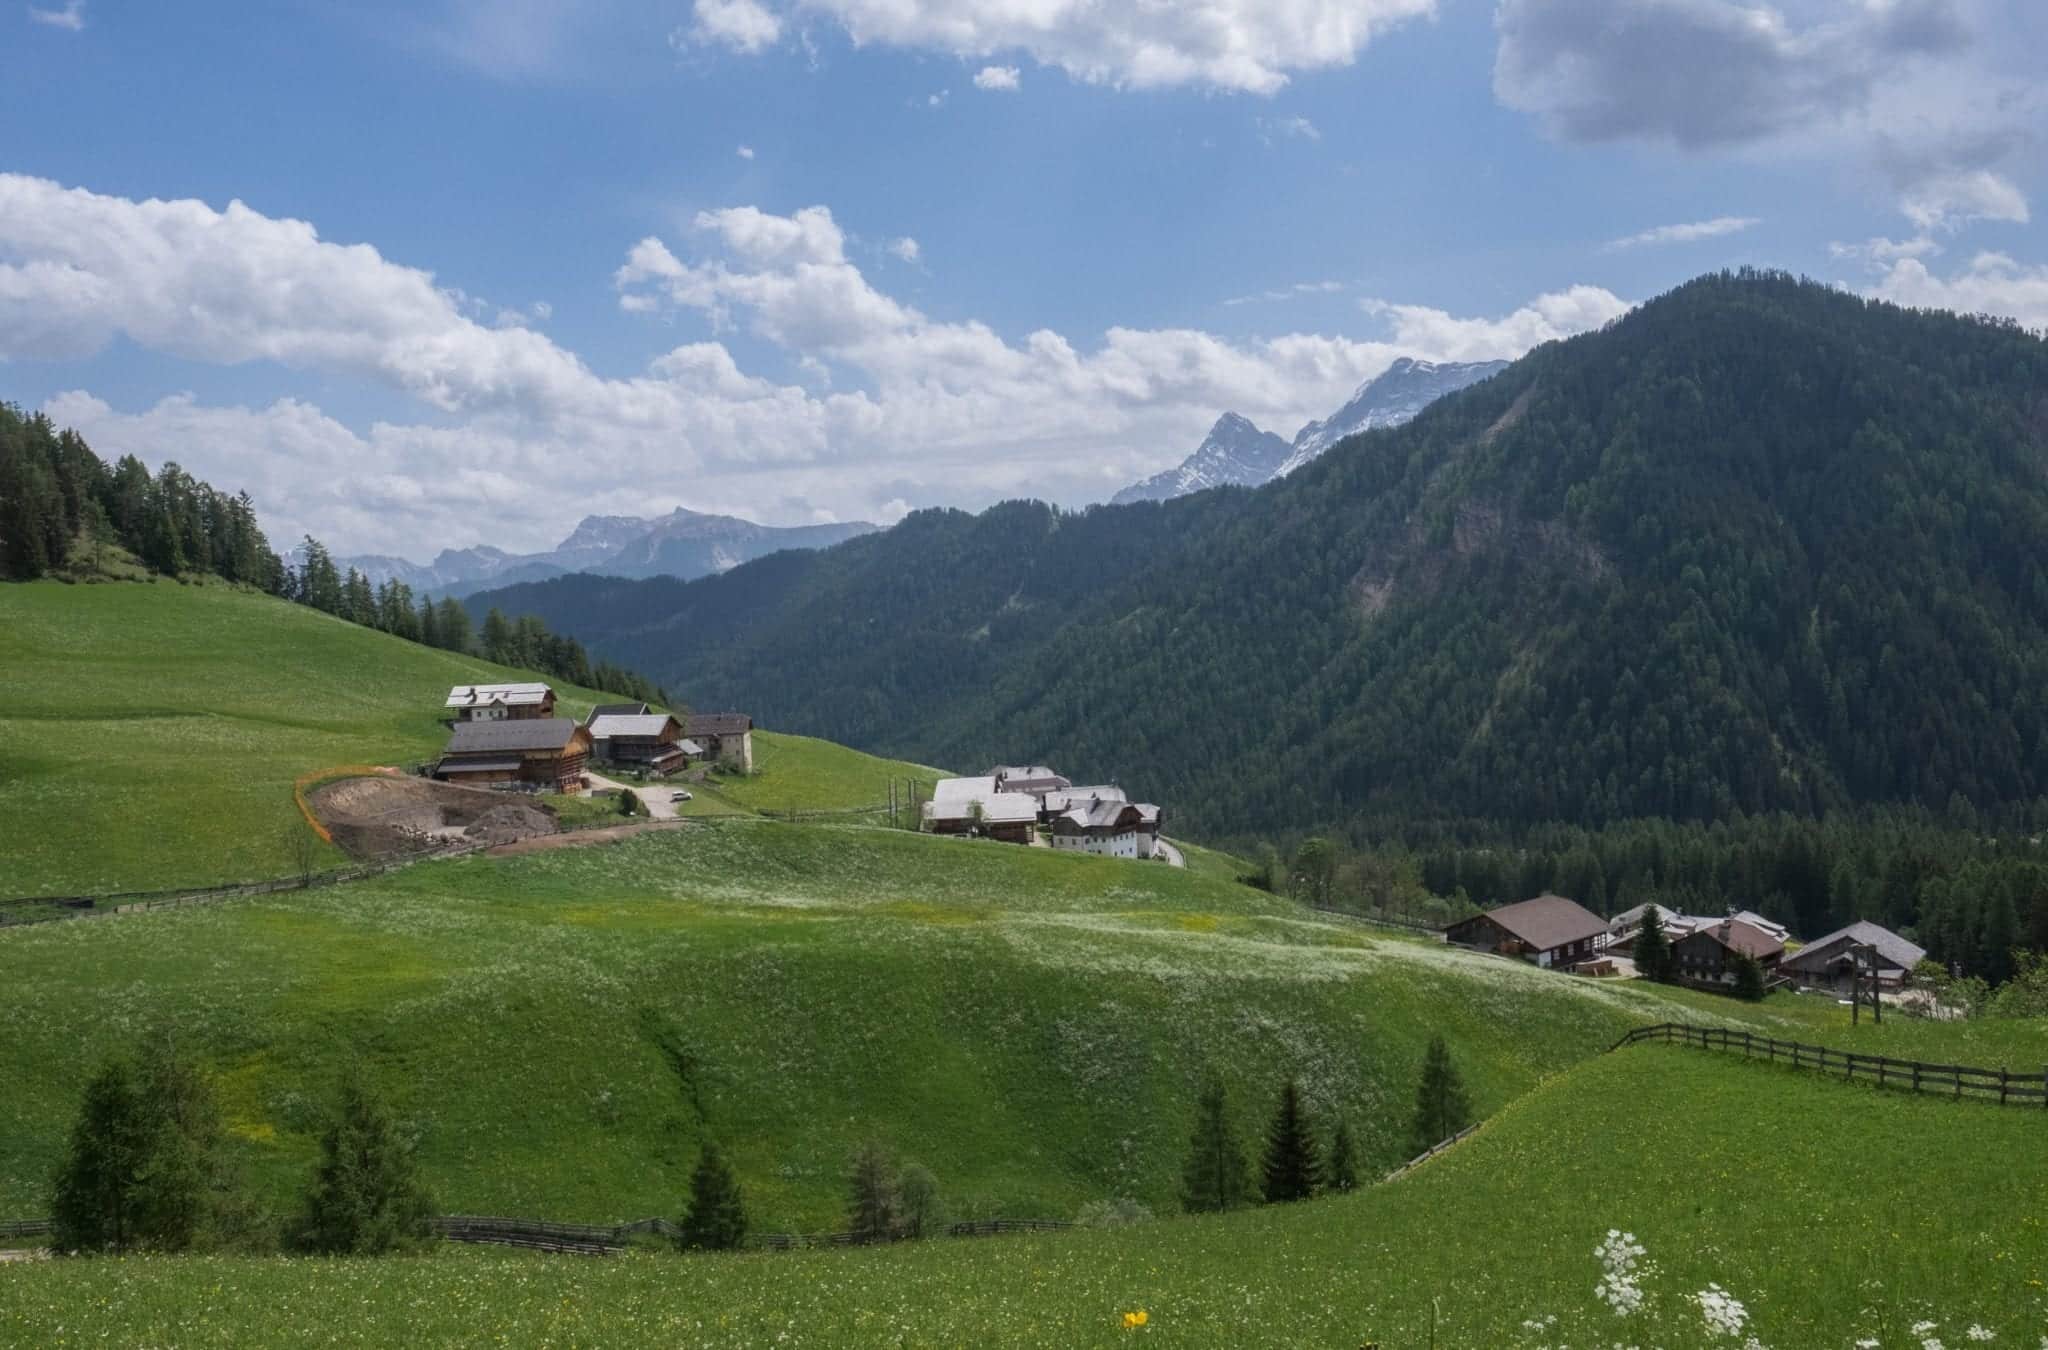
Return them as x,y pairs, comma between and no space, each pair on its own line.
610,834
373,818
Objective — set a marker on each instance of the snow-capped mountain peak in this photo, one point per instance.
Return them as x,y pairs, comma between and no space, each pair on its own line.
1235,451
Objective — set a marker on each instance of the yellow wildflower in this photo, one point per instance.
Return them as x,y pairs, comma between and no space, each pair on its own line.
1134,1320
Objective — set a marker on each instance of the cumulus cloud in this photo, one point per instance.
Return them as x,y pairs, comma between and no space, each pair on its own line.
1688,233
895,407
1699,73
907,249
745,152
71,16
1948,201
1992,283
743,25
1241,45
1005,79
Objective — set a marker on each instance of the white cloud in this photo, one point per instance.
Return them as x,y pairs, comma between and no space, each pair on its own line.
1992,283
1300,128
523,437
743,25
1949,201
907,249
1688,233
71,17
1294,292
1005,79
1443,337
1241,45
1885,251
938,100
745,152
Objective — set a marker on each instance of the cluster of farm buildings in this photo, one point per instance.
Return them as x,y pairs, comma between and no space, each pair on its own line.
508,736
1014,803
1562,934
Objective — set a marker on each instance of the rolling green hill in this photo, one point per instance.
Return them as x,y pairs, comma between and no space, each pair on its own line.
1833,1214
150,734
1758,546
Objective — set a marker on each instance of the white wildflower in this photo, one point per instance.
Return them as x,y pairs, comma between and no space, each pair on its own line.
1619,1287
1981,1333
1721,1311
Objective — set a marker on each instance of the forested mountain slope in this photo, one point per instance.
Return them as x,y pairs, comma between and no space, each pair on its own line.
1759,545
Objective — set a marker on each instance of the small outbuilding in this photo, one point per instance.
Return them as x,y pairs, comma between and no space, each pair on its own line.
1035,779
1009,816
548,752
1548,931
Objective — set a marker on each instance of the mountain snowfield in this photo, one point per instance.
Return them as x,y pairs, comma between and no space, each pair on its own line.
683,544
1238,453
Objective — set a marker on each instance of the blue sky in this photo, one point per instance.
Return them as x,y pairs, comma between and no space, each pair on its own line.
499,265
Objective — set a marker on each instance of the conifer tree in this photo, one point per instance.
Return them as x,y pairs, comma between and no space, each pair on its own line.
95,1206
366,1196
1216,1176
1292,1170
717,1217
1749,978
1343,1171
1441,1109
871,1186
1653,948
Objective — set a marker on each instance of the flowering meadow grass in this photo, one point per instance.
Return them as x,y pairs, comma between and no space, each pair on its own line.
801,773
1764,1208
561,1031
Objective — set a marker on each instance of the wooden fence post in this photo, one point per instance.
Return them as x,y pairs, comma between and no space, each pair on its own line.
2004,1084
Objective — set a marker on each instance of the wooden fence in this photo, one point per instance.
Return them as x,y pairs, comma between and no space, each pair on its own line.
1950,1080
1382,920
25,1228
1431,1152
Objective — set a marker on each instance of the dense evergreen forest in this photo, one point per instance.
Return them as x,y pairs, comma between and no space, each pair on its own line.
1743,598
66,513
1760,546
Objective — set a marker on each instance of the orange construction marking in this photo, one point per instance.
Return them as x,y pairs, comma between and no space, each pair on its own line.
339,771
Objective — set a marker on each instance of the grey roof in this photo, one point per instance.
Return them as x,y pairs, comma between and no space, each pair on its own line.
617,724
483,695
1891,948
538,733
717,724
1547,922
1099,817
1062,798
997,808
619,710
690,747
960,789
1737,936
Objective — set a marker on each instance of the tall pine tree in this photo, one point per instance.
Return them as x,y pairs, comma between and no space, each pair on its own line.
366,1196
1343,1174
717,1217
1441,1108
1216,1176
1292,1170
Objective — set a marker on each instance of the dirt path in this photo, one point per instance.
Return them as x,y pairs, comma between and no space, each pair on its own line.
653,796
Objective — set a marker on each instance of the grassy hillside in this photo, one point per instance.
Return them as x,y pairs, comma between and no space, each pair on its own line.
1835,1215
150,734
800,773
563,1029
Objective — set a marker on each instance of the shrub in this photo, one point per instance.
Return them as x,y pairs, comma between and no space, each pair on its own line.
1116,1212
920,1212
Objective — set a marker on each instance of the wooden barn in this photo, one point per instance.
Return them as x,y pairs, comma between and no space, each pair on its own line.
546,752
1832,962
1706,955
653,741
500,702
727,738
1549,931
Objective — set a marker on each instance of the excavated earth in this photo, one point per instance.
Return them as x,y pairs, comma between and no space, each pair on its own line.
375,818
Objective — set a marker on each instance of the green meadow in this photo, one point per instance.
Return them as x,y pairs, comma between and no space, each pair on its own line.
1834,1215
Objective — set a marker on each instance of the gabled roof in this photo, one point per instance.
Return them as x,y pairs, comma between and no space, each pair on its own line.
533,734
1547,922
1892,949
997,808
717,724
619,710
616,724
1027,778
690,747
960,789
1060,799
1737,936
510,695
1756,920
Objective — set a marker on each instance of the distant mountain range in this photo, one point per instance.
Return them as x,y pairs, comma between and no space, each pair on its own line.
1237,452
682,544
